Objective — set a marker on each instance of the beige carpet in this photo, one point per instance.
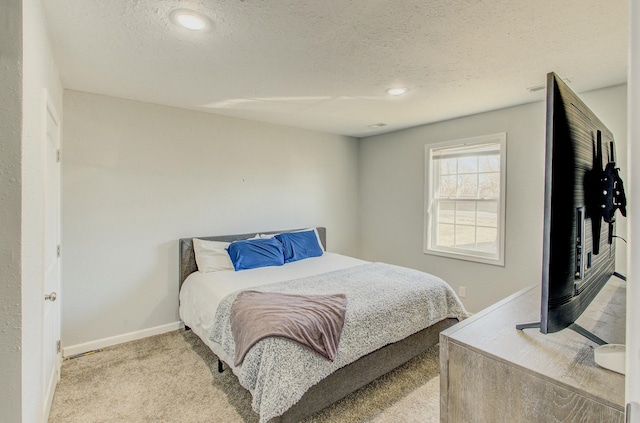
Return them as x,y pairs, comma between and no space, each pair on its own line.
173,377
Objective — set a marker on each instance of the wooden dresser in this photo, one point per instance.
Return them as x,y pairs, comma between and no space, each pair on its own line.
491,372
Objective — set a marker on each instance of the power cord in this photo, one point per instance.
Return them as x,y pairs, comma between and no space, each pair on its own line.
625,241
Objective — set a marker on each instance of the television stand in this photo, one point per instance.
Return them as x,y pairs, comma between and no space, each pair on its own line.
490,372
582,331
574,327
618,275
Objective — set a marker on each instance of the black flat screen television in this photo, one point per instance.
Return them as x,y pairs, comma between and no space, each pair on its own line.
583,190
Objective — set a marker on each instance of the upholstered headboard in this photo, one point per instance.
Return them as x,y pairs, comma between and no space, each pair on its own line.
187,257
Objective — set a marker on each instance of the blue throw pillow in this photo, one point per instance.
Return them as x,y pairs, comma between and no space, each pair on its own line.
252,253
299,245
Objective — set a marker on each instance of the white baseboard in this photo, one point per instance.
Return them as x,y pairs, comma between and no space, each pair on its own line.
119,339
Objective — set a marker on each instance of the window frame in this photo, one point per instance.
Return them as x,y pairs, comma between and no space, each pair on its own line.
429,214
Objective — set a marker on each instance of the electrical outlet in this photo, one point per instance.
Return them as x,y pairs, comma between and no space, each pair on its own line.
462,291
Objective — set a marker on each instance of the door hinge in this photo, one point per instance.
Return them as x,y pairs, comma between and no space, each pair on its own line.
58,251
58,156
58,346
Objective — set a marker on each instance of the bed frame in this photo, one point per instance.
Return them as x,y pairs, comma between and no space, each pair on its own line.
349,378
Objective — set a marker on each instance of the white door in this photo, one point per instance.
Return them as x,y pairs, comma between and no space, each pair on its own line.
51,287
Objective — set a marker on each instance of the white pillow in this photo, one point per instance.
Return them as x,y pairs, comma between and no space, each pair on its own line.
212,256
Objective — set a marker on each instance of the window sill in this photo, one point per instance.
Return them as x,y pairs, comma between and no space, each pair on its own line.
466,257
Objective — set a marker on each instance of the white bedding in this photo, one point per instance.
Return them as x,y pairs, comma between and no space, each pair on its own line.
201,293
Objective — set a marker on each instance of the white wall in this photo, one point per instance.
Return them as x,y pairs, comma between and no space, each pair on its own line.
633,287
392,199
39,73
136,177
610,105
10,191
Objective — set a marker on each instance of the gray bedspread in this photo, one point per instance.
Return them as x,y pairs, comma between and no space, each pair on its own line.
386,304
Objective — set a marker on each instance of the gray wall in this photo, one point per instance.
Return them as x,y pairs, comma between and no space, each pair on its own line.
136,177
392,195
10,192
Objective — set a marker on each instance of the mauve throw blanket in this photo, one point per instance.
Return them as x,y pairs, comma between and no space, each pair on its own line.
314,321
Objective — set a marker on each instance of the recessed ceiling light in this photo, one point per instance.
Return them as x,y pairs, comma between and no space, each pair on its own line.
397,91
189,19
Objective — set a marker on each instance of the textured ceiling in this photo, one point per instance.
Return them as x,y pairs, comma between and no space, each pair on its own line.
326,64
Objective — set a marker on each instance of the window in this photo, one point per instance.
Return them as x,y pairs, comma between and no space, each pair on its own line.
465,199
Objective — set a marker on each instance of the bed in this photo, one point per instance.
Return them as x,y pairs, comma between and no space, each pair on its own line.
288,382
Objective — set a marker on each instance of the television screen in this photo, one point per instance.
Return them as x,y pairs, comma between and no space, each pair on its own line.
582,193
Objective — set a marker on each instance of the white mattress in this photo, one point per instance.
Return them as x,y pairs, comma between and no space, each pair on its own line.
202,292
